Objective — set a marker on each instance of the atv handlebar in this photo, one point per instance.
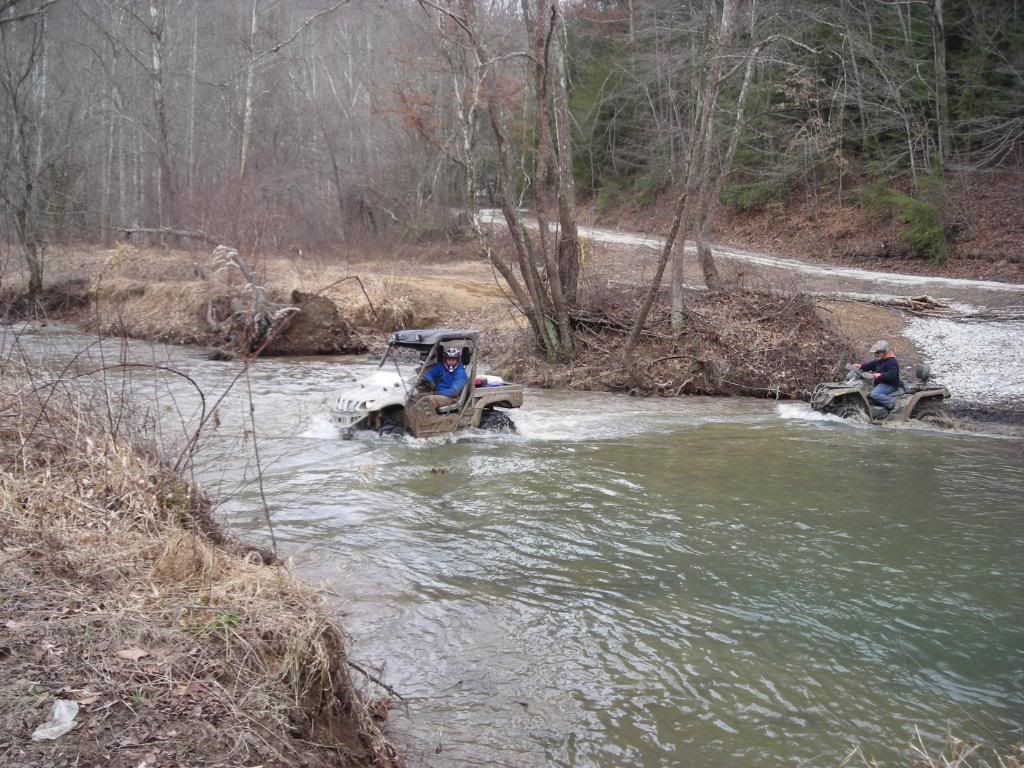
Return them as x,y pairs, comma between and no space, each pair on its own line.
856,374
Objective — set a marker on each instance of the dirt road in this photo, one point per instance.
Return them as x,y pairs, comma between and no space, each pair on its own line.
980,362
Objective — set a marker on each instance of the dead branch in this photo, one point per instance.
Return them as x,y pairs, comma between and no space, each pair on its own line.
253,319
928,306
361,287
374,679
8,4
604,322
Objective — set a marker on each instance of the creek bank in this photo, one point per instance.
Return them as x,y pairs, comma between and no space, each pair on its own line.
741,343
178,645
300,323
737,343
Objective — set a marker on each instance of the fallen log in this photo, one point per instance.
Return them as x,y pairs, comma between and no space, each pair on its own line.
923,304
928,306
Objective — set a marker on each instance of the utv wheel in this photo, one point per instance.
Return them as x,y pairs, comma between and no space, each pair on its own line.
496,421
390,427
851,411
931,411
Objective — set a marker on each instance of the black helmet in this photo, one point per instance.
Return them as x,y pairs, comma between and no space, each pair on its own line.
452,358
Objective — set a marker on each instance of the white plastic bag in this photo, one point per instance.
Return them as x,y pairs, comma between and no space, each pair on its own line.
62,720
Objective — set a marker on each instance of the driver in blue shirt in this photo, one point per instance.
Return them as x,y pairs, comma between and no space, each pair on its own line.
447,379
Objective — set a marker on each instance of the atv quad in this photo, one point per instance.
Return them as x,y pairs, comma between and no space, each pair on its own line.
391,400
849,399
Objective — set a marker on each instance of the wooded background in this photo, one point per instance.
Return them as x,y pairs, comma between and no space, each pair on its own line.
287,124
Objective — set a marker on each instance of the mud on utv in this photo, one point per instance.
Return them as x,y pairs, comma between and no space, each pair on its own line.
391,401
849,399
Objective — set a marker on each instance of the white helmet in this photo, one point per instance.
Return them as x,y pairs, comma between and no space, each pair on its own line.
452,358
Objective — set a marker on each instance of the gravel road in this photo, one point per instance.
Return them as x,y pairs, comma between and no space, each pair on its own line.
980,362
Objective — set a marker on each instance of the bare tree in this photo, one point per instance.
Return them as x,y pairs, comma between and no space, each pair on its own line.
256,58
23,86
12,11
167,199
941,85
542,287
700,156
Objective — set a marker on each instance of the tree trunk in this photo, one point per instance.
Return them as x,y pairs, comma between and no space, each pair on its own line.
166,196
709,201
629,348
191,135
41,100
113,143
19,184
558,340
569,239
941,89
247,97
529,293
701,148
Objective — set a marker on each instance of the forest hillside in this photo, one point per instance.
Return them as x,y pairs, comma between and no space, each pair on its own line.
878,132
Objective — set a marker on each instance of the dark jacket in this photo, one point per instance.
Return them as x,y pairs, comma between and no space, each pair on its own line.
888,367
449,384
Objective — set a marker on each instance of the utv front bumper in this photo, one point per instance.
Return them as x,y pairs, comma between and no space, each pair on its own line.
348,418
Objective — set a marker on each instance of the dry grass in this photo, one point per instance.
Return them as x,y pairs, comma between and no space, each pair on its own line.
953,753
167,312
178,650
159,295
375,305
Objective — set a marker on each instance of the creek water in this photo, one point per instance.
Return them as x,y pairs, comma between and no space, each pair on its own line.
642,582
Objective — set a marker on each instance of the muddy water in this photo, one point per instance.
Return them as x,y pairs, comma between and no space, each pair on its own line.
638,582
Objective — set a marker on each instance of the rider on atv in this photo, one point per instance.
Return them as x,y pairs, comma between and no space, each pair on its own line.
886,370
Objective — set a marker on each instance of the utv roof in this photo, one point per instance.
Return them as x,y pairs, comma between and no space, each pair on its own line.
427,338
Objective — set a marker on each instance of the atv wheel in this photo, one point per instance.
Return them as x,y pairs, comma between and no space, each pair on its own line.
849,410
931,411
496,421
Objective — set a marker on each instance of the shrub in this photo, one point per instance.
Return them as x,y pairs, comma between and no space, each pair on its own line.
924,230
645,187
924,227
877,202
747,197
609,196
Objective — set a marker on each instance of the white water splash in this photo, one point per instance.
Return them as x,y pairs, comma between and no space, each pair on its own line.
320,427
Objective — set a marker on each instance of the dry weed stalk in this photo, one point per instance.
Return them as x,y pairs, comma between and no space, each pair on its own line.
384,307
952,753
114,596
